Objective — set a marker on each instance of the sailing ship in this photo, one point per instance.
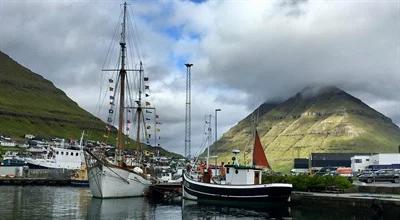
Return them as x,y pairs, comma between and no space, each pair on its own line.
240,183
115,179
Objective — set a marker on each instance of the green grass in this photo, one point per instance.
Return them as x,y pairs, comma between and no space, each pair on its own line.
310,183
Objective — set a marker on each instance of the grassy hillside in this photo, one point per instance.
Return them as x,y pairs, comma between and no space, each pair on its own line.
329,120
30,104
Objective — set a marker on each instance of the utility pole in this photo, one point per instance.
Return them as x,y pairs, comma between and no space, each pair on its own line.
188,111
216,124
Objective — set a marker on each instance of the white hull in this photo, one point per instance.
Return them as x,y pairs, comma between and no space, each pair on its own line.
114,182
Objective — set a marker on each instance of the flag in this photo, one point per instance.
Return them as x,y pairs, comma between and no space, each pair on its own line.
110,80
147,111
148,119
127,128
111,103
111,89
157,116
158,123
110,111
146,87
148,127
147,103
147,95
128,121
111,97
149,135
146,78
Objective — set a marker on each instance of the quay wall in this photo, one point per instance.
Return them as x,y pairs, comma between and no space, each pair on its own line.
376,205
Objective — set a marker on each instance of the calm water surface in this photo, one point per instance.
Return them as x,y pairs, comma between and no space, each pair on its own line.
41,202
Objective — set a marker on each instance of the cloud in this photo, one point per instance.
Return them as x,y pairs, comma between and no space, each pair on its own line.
243,53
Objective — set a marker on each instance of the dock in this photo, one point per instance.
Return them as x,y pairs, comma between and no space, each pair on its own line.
166,191
35,181
377,204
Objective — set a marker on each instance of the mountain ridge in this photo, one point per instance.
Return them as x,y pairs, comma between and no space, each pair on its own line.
325,119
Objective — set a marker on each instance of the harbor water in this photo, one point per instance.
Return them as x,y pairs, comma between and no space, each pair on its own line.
45,202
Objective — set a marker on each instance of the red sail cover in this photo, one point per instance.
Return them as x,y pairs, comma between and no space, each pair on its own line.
259,158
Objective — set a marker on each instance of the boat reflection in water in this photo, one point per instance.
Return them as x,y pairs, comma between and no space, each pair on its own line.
239,210
124,208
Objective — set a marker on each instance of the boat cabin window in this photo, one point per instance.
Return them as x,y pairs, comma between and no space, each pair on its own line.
57,152
76,154
62,152
257,177
66,153
227,170
236,171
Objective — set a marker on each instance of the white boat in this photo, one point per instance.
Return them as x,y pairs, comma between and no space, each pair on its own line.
240,183
106,181
58,158
113,179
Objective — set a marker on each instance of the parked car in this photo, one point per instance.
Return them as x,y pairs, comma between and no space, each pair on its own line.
364,172
384,175
344,171
327,171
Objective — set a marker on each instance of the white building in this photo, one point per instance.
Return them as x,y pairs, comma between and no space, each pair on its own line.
360,162
385,159
7,144
29,136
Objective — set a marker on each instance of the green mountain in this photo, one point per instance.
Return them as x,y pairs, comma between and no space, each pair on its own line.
30,104
315,120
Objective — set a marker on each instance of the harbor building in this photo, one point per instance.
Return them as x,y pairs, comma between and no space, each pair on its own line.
375,162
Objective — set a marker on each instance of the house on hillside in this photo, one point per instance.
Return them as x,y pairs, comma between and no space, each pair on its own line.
5,143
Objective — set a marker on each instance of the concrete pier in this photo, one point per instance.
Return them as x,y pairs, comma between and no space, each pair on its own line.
376,204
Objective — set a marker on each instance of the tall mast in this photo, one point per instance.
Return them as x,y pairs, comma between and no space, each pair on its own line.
139,112
122,75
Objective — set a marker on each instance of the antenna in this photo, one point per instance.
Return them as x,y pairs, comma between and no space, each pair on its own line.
188,111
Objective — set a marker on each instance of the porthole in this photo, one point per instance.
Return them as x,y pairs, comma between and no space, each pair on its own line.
236,171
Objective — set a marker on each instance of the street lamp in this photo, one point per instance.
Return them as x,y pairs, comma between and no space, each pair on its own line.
216,123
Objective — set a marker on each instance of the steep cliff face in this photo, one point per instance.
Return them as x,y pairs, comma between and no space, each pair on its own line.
314,120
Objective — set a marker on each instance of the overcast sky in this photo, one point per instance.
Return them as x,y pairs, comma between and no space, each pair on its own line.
244,52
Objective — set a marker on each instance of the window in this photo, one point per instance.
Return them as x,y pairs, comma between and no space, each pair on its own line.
367,159
76,154
62,152
57,152
358,161
66,153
